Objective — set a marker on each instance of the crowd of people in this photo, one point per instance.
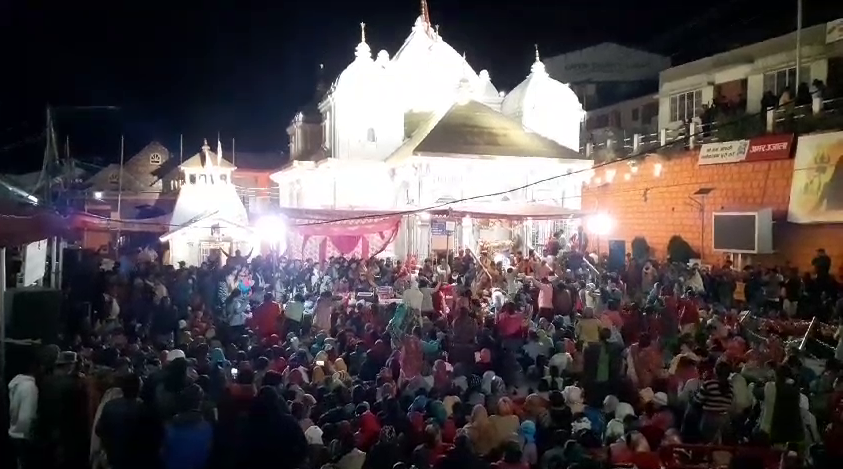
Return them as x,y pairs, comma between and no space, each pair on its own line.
538,361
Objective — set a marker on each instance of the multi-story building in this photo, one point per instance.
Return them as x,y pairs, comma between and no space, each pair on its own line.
608,73
739,78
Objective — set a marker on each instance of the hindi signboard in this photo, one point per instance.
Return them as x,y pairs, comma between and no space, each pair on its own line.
723,152
764,148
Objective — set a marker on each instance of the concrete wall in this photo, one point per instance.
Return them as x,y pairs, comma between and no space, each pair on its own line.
659,207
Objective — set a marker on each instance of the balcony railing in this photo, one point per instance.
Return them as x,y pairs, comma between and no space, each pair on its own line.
821,114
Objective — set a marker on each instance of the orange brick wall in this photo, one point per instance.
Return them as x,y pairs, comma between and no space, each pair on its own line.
668,210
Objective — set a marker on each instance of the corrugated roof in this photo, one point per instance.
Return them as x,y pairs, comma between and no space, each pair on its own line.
474,129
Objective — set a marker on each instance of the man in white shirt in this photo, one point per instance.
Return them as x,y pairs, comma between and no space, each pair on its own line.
413,298
294,313
23,409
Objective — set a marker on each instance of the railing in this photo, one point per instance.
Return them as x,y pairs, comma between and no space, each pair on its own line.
821,114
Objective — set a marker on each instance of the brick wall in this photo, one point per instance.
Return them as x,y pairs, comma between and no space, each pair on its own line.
658,207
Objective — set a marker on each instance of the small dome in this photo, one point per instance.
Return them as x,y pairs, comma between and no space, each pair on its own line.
486,89
383,58
362,70
540,89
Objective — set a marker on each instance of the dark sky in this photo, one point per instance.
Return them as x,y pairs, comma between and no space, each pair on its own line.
242,68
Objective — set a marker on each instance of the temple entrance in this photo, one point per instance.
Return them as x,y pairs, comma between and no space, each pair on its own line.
212,251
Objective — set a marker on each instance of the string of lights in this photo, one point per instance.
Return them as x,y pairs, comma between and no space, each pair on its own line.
442,205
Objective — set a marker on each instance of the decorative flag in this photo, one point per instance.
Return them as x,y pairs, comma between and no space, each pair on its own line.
219,151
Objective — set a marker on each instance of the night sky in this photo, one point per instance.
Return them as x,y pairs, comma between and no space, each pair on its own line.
200,68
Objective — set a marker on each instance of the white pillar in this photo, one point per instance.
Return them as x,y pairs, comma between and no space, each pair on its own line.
422,239
817,104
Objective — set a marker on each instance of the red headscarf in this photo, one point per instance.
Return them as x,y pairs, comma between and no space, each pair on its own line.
369,431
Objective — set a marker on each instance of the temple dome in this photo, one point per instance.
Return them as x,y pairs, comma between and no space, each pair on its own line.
429,70
362,71
540,88
546,106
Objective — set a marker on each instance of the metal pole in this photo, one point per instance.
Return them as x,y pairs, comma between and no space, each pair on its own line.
798,42
60,267
53,256
120,192
2,313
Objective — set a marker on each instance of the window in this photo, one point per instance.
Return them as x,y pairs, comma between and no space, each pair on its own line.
370,135
649,112
155,158
192,178
635,114
778,80
685,106
601,121
615,119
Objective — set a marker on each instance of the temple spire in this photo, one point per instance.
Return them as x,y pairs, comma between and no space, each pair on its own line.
363,51
538,65
425,13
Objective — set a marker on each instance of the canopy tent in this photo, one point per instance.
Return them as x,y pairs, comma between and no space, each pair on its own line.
23,224
507,211
321,233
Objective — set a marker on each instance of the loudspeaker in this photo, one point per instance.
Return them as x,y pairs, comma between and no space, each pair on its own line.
617,254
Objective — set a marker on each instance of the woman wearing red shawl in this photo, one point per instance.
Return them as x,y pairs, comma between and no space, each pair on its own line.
647,360
370,428
412,355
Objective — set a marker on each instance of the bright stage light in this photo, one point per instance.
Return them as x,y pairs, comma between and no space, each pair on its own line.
271,228
98,195
600,224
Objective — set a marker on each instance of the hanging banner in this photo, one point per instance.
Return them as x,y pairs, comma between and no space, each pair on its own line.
816,191
723,152
34,262
764,148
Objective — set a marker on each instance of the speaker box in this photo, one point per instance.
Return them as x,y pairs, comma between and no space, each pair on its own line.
617,254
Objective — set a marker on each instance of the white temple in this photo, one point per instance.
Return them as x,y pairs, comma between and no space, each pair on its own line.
423,127
208,217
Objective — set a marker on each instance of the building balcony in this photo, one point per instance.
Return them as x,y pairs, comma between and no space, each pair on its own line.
821,114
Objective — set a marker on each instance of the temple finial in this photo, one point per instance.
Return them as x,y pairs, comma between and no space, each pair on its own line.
424,12
362,32
538,59
436,28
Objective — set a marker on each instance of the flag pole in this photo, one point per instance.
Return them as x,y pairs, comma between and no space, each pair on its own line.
233,154
120,191
181,148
